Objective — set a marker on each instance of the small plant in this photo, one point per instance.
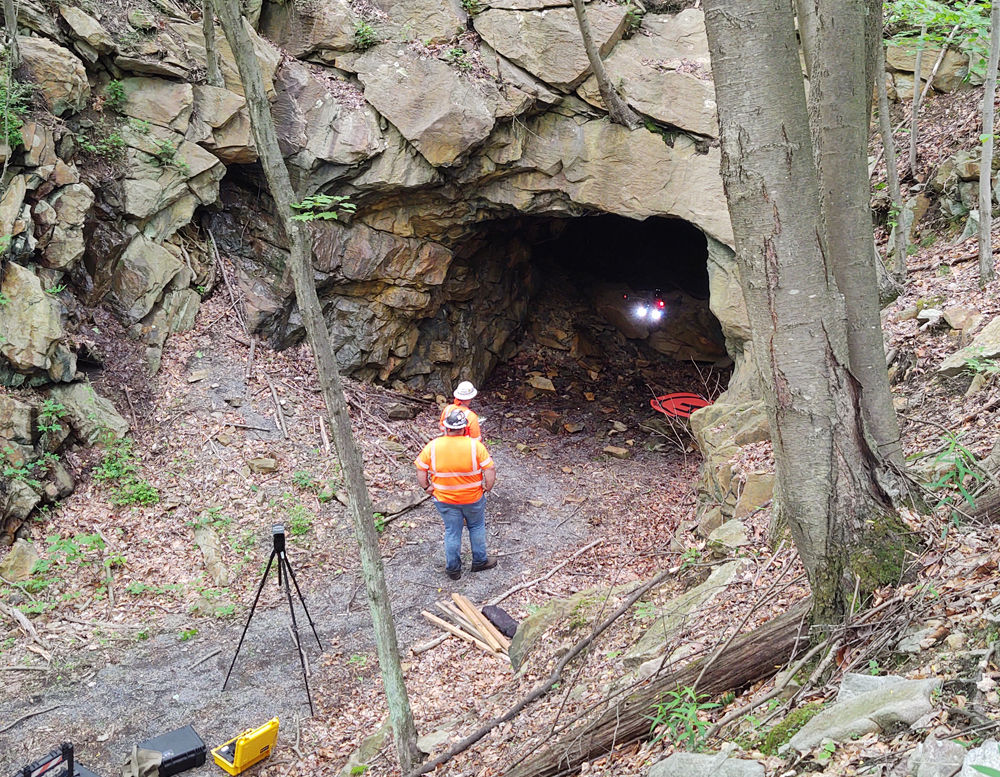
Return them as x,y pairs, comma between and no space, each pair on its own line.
961,465
873,667
358,770
120,468
633,20
678,715
49,415
15,100
979,364
114,95
4,299
690,557
166,155
304,479
471,7
365,36
299,520
323,206
187,634
459,57
645,611
379,522
358,660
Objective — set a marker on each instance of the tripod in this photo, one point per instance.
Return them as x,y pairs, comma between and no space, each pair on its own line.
278,551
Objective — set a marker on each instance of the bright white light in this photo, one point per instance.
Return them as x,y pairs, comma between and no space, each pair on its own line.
640,311
655,315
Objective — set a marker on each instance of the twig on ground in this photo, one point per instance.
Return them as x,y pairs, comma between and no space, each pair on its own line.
279,415
205,658
546,576
27,715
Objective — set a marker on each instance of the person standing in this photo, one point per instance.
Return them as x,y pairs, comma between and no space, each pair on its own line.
465,392
458,471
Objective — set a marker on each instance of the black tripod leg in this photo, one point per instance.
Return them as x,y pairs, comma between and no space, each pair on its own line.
291,574
283,561
254,607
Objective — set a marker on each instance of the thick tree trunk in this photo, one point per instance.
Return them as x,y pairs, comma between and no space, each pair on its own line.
891,171
213,76
749,659
914,113
618,110
300,264
838,116
986,271
826,485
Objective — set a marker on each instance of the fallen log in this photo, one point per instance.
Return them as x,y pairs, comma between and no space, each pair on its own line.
749,659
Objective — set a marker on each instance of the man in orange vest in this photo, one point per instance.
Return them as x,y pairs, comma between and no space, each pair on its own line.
465,392
457,471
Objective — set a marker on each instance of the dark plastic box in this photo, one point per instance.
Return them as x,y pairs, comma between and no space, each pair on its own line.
181,750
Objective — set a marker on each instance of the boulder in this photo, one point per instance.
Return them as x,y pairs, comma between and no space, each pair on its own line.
58,75
669,56
303,29
704,765
951,74
548,43
11,204
19,561
936,758
158,101
428,21
729,537
756,492
659,635
30,325
985,345
92,418
211,550
987,754
140,278
896,704
87,29
18,501
64,244
401,85
15,420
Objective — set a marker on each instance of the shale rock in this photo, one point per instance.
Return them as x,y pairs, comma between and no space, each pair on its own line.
142,276
87,29
304,29
92,418
64,244
30,326
58,74
985,345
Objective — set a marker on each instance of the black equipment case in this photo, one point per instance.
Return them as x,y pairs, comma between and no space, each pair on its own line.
58,763
181,750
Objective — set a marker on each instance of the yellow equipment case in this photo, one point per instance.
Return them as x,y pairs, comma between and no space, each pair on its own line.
248,748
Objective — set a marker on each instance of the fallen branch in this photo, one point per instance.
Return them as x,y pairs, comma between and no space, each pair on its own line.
205,658
24,717
545,687
423,647
277,407
546,576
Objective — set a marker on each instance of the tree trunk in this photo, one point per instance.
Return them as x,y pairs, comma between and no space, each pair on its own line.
213,76
891,171
873,45
986,271
10,20
305,292
914,122
618,110
838,117
749,659
826,485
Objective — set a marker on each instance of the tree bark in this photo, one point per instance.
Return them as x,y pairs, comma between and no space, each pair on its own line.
213,76
838,118
986,271
826,473
914,113
749,659
10,20
874,23
300,265
618,109
891,171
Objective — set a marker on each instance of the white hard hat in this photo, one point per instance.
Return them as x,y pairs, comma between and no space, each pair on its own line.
465,390
456,419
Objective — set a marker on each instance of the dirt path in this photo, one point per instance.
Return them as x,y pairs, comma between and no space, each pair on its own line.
158,666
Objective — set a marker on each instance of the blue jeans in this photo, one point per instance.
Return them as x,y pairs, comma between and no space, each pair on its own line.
472,515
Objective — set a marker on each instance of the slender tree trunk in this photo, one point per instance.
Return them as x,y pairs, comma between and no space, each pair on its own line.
10,20
914,114
319,338
805,12
826,486
214,75
986,271
838,113
873,45
618,109
891,171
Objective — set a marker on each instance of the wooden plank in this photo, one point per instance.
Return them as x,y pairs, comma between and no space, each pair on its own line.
460,619
484,624
476,617
458,632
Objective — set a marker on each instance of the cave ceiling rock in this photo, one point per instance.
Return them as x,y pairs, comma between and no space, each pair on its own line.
668,56
306,29
400,166
57,73
31,328
407,88
314,127
548,43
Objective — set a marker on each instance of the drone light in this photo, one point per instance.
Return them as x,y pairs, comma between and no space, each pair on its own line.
661,304
641,311
655,315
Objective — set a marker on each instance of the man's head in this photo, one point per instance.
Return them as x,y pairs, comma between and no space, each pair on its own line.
455,423
465,391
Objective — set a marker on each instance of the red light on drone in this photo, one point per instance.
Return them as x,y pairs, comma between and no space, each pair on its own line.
660,304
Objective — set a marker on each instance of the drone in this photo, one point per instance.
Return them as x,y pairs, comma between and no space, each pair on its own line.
649,307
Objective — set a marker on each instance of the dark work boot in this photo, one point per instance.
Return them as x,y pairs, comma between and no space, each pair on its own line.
456,575
490,562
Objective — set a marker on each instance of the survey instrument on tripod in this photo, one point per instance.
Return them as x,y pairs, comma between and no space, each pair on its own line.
285,575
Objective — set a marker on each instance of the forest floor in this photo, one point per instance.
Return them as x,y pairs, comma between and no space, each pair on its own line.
108,665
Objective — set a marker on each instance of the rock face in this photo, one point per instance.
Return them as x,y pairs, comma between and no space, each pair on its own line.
30,325
58,73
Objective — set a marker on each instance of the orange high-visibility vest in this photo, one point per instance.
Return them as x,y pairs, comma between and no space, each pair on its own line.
472,430
455,467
